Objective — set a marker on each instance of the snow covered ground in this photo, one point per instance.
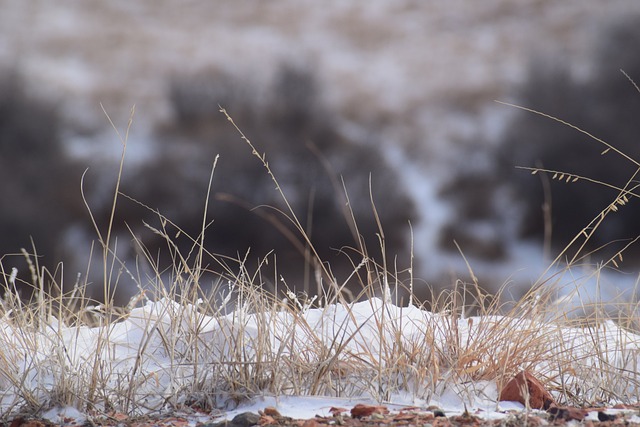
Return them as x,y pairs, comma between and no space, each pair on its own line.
304,360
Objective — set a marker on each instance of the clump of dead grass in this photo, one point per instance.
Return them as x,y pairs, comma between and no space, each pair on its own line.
179,343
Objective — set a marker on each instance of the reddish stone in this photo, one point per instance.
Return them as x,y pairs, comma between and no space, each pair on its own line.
361,410
405,416
514,391
271,411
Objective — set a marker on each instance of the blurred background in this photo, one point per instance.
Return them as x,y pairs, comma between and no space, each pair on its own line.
393,101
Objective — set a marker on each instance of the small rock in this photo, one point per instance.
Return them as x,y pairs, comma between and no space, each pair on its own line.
361,410
525,383
21,422
439,413
567,413
271,411
603,416
245,419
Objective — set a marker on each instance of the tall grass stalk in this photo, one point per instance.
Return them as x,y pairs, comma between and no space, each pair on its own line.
178,344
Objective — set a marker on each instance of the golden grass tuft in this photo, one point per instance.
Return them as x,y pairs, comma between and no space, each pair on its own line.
218,347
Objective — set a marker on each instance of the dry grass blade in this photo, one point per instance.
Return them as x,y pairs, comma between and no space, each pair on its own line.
179,343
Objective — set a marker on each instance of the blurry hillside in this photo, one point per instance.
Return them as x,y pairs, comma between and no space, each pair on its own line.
396,94
503,201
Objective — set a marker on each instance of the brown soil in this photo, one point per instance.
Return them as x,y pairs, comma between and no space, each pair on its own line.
368,416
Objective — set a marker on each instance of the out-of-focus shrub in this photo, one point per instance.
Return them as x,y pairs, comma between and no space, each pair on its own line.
39,185
307,153
606,105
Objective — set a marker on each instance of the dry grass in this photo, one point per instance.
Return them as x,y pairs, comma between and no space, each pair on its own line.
177,344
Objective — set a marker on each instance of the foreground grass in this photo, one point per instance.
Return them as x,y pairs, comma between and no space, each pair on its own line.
168,351
177,344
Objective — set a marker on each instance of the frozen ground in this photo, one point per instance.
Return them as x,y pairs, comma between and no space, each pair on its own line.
422,74
166,355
